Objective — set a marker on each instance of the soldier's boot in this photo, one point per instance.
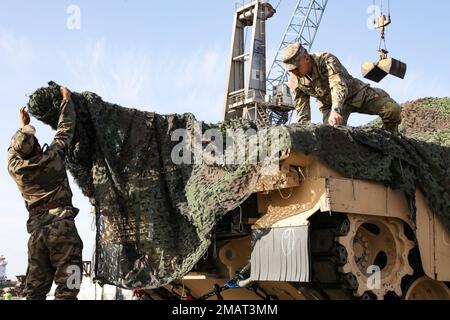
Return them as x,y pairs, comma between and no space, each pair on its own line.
391,114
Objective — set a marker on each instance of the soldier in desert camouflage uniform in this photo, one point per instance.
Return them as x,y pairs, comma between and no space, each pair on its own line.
338,94
54,247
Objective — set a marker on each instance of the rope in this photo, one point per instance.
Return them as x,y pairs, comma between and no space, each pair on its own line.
231,284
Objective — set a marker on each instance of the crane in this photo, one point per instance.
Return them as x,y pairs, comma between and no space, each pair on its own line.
302,27
250,94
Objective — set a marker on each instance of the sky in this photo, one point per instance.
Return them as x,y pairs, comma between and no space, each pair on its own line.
172,57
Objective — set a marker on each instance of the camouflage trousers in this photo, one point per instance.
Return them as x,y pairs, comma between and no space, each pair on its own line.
378,103
54,251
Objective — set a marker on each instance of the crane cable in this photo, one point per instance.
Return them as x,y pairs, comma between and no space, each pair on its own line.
382,48
374,14
279,2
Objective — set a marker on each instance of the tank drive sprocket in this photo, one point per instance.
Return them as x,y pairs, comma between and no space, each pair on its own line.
377,255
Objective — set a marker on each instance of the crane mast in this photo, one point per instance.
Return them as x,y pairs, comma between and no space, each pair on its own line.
250,94
246,86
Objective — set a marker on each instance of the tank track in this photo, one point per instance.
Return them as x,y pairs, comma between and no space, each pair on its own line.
326,258
330,258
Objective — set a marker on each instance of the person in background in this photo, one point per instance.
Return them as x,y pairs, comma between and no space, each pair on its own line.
7,295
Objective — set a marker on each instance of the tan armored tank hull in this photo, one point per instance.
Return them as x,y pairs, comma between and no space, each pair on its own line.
320,235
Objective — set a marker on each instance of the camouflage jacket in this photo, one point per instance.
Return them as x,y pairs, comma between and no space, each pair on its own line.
330,83
42,179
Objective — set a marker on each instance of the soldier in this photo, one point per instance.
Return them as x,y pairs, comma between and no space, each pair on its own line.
7,295
338,94
54,247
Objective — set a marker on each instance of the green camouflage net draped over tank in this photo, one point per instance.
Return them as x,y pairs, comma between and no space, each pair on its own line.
155,219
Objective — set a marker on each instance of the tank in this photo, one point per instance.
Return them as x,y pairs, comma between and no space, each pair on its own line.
309,232
305,232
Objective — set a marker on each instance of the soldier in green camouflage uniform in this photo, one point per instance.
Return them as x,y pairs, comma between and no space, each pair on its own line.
54,247
338,94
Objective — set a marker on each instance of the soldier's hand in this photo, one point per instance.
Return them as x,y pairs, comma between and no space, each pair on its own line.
65,93
335,119
24,117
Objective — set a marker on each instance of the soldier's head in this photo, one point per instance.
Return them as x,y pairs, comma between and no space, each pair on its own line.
297,60
25,143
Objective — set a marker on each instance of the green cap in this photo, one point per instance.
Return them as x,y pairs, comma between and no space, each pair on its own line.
23,141
292,55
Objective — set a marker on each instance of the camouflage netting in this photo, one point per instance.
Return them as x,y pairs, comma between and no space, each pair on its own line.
154,218
426,119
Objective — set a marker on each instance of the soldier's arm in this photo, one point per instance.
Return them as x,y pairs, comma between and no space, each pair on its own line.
337,79
301,101
14,161
303,107
66,125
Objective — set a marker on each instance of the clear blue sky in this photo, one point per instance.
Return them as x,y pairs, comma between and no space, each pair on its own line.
171,57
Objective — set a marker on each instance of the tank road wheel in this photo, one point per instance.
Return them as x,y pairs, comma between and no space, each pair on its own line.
372,243
426,288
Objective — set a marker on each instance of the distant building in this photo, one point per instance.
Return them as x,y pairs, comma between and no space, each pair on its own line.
3,264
